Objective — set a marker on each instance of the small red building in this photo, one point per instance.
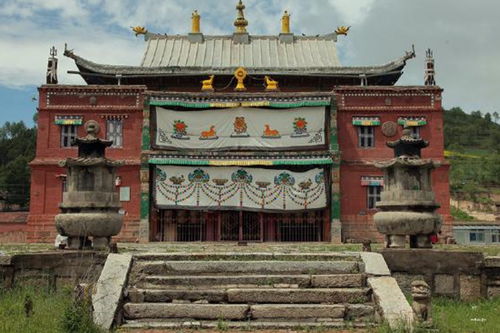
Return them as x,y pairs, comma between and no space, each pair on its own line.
238,137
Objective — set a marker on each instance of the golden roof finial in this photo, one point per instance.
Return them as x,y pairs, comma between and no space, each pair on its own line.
285,23
240,23
342,30
195,22
139,30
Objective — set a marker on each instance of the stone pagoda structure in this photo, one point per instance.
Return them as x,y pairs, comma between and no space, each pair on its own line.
407,202
90,203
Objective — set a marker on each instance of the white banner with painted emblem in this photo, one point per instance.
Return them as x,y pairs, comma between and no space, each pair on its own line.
239,188
241,127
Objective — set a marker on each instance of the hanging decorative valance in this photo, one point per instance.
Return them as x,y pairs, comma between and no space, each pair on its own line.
240,161
366,121
412,121
114,116
69,120
372,181
275,103
240,128
239,188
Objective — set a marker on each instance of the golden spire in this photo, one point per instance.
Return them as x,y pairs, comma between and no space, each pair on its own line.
240,23
195,22
285,23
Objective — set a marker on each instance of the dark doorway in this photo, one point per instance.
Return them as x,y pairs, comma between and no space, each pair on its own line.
240,226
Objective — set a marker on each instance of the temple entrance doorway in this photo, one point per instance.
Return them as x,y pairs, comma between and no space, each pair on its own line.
177,225
241,226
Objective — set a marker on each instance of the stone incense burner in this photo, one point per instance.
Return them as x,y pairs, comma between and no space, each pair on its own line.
90,204
407,205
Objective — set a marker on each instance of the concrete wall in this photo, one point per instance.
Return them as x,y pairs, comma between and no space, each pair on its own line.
51,270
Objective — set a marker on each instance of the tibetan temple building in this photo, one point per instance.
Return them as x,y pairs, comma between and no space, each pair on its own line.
237,137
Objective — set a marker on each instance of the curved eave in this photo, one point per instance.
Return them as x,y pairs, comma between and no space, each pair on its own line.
94,73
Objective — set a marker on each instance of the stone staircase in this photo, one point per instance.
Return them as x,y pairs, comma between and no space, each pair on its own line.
171,291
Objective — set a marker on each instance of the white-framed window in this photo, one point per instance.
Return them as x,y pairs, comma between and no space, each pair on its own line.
114,131
68,135
373,196
476,236
495,236
366,136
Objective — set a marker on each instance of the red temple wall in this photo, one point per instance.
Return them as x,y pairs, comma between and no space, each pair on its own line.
93,103
387,103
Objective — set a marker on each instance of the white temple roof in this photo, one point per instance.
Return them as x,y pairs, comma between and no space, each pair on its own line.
263,52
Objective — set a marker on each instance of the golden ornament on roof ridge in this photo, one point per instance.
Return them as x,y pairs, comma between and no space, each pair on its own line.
342,30
240,23
139,30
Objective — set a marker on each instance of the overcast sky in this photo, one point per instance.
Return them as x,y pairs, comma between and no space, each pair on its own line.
463,35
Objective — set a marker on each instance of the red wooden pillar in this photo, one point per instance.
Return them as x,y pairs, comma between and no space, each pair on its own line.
327,226
219,226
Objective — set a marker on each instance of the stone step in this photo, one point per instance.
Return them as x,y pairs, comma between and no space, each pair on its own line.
326,256
244,326
262,312
169,295
249,281
297,311
183,267
192,311
299,296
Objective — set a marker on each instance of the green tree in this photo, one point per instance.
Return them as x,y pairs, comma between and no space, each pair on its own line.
17,149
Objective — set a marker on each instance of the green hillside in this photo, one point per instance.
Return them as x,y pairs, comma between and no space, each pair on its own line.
472,143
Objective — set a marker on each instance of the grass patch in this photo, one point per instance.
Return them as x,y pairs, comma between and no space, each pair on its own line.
452,316
52,312
10,249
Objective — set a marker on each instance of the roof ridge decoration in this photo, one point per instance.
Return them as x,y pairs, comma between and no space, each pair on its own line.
240,23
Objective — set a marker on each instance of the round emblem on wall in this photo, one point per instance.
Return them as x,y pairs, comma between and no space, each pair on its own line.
389,128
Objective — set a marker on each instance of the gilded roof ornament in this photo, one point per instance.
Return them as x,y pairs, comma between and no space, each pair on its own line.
240,74
195,20
342,30
285,23
240,23
139,30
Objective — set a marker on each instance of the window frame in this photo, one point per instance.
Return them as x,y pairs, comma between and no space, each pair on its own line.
113,134
373,197
479,236
68,135
415,132
363,137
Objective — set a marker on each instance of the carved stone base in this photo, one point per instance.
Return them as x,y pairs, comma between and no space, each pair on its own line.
420,242
396,241
78,243
101,243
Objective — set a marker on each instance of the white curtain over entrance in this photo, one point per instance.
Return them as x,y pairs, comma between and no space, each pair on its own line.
239,188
